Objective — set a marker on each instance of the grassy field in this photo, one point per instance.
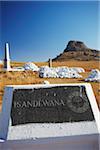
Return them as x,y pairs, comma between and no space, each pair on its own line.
29,77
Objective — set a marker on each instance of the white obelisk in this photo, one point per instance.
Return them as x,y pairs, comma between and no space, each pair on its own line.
7,58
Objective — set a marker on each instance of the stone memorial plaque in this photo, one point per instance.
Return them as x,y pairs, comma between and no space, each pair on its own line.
56,104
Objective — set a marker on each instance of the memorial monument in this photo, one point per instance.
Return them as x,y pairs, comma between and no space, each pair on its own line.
50,62
56,112
53,110
7,58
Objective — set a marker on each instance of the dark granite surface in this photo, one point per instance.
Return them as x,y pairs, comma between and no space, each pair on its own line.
50,105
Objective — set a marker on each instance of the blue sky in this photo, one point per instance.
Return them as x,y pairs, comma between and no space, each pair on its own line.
41,30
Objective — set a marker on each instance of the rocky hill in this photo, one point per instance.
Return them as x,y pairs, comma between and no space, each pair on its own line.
77,50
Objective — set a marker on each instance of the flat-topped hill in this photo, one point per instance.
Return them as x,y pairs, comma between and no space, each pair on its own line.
77,50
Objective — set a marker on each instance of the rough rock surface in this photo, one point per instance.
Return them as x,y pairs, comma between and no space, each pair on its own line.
77,50
75,45
60,72
94,76
31,66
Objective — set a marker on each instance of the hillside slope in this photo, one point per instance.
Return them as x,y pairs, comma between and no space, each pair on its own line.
77,50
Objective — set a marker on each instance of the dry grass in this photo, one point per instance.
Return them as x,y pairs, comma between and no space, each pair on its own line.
29,77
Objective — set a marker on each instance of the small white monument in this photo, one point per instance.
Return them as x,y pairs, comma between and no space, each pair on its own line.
7,58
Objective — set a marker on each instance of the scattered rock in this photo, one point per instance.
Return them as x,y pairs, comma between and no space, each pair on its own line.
31,66
77,69
94,76
45,82
47,72
59,72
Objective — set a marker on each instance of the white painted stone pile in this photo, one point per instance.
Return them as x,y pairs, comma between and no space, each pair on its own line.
77,69
94,76
27,66
31,66
47,72
59,72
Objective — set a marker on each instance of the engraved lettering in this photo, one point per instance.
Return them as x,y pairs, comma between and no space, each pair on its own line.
40,103
17,105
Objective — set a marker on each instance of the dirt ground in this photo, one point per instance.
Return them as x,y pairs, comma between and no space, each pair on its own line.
29,77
